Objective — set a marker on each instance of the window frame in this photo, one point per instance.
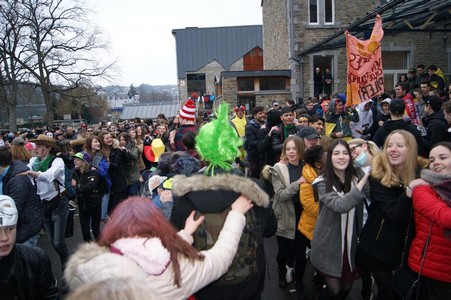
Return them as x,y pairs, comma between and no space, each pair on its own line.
321,13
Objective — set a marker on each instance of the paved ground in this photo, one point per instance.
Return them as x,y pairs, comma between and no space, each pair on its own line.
271,292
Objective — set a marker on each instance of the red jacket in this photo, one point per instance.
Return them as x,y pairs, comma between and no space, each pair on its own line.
429,207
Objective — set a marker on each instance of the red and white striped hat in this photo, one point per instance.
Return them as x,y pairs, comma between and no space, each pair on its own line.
188,111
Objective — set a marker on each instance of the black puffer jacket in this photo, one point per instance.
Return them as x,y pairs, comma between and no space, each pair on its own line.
28,275
214,194
22,191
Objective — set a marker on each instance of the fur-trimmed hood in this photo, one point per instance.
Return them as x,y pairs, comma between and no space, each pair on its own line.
183,185
83,255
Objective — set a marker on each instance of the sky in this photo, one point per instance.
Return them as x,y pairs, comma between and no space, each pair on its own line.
140,37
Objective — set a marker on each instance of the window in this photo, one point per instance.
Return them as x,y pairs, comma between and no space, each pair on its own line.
196,83
321,12
329,12
273,84
313,11
245,84
394,64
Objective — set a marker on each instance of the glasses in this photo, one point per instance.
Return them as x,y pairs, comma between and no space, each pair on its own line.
89,130
355,147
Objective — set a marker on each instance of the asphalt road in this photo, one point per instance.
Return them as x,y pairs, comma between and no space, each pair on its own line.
271,291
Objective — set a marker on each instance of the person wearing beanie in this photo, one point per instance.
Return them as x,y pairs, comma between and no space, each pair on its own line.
187,117
25,272
434,121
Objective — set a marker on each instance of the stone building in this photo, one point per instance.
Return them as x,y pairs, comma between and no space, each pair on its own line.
303,35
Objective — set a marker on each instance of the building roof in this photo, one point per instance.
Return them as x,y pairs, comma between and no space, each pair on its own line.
146,110
196,47
397,16
262,73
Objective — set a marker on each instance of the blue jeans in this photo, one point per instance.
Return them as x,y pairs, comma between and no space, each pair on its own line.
105,201
55,214
32,242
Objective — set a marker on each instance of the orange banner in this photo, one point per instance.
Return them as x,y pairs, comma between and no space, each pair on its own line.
365,77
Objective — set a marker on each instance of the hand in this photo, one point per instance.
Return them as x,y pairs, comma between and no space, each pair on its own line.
191,224
30,173
166,196
413,184
339,134
302,180
73,183
242,204
172,136
363,181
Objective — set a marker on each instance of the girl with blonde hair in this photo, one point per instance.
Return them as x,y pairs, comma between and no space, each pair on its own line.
382,238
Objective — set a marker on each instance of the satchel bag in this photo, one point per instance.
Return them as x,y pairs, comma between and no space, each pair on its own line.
405,282
69,231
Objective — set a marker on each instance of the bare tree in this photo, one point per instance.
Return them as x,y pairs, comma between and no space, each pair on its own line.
61,48
11,72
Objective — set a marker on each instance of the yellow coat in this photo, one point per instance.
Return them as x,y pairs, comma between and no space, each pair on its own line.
307,197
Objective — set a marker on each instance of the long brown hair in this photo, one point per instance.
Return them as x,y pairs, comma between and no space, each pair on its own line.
88,147
138,216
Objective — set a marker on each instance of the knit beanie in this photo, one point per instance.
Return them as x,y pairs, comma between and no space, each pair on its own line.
188,111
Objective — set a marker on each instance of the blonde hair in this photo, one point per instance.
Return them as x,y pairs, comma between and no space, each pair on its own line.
373,149
116,288
84,167
299,144
382,170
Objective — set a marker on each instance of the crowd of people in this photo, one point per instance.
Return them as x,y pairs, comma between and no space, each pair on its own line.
180,206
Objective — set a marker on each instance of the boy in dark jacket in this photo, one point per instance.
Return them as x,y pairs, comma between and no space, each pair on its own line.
25,272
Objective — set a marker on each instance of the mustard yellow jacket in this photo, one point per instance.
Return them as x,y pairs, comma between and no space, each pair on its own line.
307,197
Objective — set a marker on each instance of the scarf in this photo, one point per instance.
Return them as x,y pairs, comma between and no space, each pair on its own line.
285,128
442,186
42,165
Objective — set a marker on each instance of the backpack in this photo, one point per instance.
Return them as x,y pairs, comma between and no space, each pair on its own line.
245,262
70,191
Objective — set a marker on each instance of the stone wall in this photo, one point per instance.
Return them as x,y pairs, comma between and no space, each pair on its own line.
275,35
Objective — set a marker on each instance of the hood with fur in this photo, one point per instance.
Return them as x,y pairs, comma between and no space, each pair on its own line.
183,185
